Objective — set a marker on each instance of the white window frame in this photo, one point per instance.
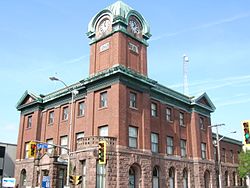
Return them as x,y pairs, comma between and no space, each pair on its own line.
50,147
203,150
201,122
153,109
170,145
103,130
168,114
132,100
65,111
133,137
64,142
103,99
29,121
51,117
181,119
81,108
154,142
183,145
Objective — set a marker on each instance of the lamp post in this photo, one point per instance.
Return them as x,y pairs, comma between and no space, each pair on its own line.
218,150
74,92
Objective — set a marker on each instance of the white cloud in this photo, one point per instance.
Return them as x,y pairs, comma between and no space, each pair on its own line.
203,26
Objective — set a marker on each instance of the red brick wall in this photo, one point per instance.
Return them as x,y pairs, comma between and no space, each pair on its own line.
118,53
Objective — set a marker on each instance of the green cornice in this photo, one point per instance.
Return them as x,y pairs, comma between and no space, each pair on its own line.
227,139
130,78
94,40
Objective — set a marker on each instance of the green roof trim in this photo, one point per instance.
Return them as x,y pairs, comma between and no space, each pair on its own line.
227,139
157,89
27,93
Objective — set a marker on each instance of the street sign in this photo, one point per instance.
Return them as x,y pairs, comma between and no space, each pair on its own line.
46,182
9,182
42,145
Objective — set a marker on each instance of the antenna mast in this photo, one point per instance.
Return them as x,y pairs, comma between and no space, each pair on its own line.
185,74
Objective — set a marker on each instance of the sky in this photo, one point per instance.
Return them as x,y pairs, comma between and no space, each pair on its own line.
43,38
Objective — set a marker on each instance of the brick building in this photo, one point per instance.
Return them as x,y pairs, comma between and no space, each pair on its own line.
156,137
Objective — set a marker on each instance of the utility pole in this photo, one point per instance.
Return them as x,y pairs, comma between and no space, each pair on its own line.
218,151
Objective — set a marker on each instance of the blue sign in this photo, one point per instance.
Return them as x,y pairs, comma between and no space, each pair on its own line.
41,145
46,182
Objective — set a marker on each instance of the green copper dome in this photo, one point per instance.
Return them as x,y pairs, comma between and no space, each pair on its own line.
119,14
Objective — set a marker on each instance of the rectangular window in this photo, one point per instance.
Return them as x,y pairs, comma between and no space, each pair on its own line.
201,121
183,148
29,121
100,176
132,100
203,151
154,142
153,109
103,131
65,113
181,119
78,136
168,114
133,137
232,155
83,163
64,143
81,108
50,147
51,117
103,99
170,145
26,155
223,155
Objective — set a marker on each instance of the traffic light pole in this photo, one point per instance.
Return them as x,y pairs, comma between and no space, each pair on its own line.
218,152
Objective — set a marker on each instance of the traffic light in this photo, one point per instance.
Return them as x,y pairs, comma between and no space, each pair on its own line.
102,152
72,179
246,129
32,149
78,180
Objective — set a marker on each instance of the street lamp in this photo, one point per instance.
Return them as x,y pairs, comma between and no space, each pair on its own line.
74,92
218,150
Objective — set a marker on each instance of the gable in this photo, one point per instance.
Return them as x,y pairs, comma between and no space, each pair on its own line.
28,98
204,101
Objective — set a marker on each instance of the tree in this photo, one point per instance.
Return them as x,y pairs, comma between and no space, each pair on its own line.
244,163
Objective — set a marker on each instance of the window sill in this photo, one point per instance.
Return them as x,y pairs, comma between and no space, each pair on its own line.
133,108
102,108
50,124
80,116
184,126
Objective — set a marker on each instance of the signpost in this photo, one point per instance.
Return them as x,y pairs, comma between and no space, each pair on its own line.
9,182
46,182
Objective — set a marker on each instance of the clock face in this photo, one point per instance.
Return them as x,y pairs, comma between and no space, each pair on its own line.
134,26
103,27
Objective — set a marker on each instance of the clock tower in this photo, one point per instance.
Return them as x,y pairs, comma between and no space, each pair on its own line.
119,37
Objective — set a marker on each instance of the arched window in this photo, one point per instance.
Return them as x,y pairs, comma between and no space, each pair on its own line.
23,179
172,177
226,178
131,178
234,179
185,178
206,179
155,177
